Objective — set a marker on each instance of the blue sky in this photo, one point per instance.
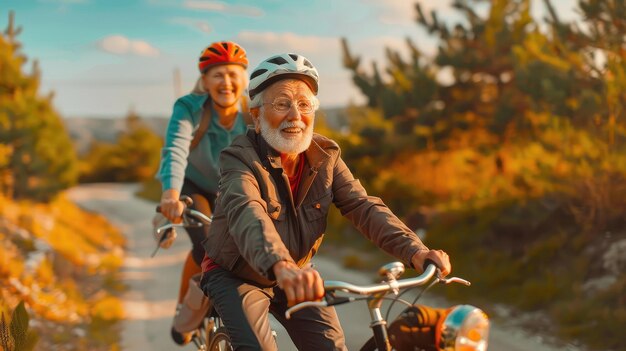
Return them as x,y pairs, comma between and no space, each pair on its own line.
104,57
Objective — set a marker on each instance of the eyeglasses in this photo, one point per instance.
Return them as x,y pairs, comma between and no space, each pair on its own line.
283,105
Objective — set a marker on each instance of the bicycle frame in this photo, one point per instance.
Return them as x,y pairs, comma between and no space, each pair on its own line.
204,335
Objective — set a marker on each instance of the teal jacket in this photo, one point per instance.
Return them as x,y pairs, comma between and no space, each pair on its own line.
201,165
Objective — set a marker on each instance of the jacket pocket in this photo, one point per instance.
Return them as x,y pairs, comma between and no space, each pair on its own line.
317,208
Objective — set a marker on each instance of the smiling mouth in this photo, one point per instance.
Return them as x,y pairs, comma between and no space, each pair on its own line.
292,131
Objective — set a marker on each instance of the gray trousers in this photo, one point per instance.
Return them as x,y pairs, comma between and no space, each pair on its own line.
244,308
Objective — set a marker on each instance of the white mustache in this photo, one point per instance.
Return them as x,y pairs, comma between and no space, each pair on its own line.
293,124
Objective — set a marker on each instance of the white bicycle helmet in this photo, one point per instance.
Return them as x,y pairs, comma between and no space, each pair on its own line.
283,66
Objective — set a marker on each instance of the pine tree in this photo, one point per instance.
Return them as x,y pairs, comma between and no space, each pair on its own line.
480,56
37,159
483,97
596,54
134,157
409,91
140,147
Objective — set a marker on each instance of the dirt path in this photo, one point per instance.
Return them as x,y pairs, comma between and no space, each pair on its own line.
153,282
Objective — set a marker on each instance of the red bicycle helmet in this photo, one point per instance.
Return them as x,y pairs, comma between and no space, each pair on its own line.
220,53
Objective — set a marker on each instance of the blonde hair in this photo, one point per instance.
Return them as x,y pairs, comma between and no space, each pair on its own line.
198,88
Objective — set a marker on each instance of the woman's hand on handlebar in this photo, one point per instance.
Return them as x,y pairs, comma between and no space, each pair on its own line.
438,257
171,207
299,284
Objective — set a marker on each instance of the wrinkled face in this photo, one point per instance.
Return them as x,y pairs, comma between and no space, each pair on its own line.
289,130
225,84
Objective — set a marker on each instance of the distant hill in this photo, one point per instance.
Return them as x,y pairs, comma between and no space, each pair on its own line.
85,130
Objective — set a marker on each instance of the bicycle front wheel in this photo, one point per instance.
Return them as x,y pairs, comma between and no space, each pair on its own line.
220,341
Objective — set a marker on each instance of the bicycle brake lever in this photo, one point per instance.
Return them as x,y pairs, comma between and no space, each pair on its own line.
332,300
454,280
165,230
158,245
340,300
155,250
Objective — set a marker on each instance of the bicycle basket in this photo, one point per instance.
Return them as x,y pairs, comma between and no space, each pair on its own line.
416,325
194,307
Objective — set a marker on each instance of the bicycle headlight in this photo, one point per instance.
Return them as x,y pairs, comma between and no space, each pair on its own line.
465,328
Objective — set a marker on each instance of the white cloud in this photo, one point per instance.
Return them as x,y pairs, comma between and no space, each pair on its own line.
143,48
120,45
218,6
403,12
271,42
115,44
194,23
203,27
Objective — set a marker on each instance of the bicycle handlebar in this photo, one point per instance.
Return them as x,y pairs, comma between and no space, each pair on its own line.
196,215
333,285
384,287
190,216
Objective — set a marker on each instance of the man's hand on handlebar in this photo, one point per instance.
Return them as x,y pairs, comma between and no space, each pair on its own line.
171,207
438,257
299,284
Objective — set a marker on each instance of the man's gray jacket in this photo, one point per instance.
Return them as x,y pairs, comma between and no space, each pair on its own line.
257,222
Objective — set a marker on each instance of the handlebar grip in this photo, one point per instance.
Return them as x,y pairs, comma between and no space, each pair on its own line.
184,198
187,200
428,262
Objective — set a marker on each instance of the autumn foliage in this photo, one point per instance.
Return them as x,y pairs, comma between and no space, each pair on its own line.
58,264
509,147
37,158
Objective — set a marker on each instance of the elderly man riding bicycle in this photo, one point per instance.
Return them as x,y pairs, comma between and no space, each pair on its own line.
277,183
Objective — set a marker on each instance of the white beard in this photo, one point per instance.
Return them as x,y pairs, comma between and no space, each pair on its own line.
294,145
